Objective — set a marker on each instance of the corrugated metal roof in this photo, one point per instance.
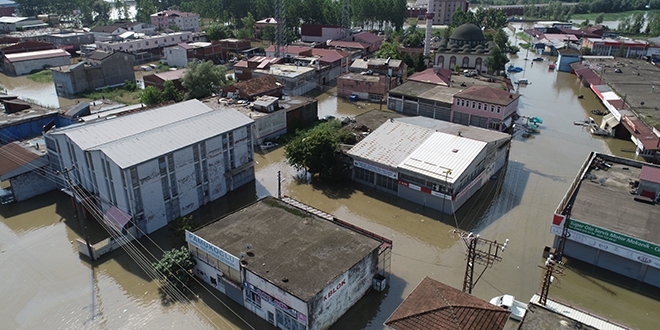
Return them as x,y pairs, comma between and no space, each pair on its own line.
391,143
471,132
442,152
40,54
138,148
93,134
578,315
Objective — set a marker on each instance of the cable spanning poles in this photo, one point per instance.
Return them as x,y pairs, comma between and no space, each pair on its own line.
479,251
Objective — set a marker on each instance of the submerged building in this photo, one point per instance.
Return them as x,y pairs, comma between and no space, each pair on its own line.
294,266
611,217
159,164
430,162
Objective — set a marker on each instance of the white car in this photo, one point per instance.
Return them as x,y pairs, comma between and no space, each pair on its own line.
268,145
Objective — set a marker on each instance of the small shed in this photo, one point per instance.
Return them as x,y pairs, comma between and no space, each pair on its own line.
25,165
649,183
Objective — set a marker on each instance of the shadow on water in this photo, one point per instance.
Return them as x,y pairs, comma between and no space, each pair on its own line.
374,308
592,273
13,213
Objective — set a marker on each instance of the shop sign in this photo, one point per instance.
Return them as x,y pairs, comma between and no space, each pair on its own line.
333,290
216,252
375,169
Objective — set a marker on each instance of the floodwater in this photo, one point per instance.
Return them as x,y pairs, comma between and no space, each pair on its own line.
47,285
39,93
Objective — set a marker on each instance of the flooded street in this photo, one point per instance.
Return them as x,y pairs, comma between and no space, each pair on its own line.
47,285
39,93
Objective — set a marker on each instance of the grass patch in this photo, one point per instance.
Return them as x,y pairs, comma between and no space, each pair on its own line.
524,36
43,76
613,16
119,94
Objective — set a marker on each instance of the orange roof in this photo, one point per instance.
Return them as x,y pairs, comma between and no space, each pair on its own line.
434,305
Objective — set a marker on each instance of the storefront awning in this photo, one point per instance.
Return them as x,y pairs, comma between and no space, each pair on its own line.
118,218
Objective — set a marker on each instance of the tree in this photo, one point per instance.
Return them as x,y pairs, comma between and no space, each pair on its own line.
497,60
654,25
639,20
175,267
389,50
203,79
501,39
621,52
151,95
461,17
599,18
218,31
247,32
144,9
317,151
171,93
268,33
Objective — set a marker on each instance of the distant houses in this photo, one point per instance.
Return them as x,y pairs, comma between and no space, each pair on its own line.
183,21
17,64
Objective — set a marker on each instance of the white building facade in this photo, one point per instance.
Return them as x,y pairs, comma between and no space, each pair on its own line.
143,42
159,164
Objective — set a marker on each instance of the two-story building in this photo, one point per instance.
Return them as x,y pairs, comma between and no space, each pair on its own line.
293,268
485,107
611,47
98,69
158,164
184,21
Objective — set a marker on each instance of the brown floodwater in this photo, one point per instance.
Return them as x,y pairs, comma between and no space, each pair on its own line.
47,285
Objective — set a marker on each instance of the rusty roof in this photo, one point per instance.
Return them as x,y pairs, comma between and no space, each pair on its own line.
13,156
256,86
434,305
488,94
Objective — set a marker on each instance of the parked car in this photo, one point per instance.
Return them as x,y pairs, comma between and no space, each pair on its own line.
538,59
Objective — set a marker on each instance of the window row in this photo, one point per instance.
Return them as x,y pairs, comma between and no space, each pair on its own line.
479,105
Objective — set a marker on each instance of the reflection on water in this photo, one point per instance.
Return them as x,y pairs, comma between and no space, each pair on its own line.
39,93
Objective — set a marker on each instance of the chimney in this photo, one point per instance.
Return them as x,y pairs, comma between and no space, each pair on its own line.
429,30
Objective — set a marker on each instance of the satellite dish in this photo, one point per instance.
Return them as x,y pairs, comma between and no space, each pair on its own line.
242,255
248,246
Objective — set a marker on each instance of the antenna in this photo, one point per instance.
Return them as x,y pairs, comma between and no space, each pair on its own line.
486,256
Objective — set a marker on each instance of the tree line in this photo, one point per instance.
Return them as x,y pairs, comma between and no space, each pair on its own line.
584,6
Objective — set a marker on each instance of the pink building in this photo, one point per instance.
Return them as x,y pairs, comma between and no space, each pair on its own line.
485,107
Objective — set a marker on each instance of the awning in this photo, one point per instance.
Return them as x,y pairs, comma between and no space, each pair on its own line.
609,122
117,217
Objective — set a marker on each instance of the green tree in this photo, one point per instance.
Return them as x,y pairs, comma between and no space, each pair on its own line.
175,267
599,18
247,32
389,50
179,227
497,60
144,10
218,31
639,20
461,17
654,24
151,95
170,93
501,39
621,52
203,79
268,33
317,151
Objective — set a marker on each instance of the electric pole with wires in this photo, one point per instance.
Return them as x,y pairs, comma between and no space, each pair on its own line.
479,251
77,200
552,266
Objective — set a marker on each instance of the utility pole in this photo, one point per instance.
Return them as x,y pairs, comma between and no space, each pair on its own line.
479,251
551,266
77,209
279,185
280,34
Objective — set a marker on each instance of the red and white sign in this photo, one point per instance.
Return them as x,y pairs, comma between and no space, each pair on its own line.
333,290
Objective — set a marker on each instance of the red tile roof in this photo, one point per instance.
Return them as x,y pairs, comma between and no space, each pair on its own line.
13,156
651,174
329,55
488,94
432,76
349,44
368,37
437,306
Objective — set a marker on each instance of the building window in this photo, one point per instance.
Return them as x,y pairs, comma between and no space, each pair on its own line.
458,102
498,109
474,104
466,62
492,108
364,175
452,62
387,182
479,106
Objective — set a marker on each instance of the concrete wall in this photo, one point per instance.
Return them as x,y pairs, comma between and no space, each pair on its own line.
176,56
270,126
254,284
114,70
31,184
477,61
302,116
342,293
25,67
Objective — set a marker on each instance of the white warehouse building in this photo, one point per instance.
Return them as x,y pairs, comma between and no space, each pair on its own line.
430,162
158,164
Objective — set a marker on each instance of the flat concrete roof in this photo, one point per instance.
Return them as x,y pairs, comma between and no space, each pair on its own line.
35,111
289,243
635,85
611,205
426,91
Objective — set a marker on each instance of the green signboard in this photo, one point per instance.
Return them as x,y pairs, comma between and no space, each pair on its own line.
616,238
